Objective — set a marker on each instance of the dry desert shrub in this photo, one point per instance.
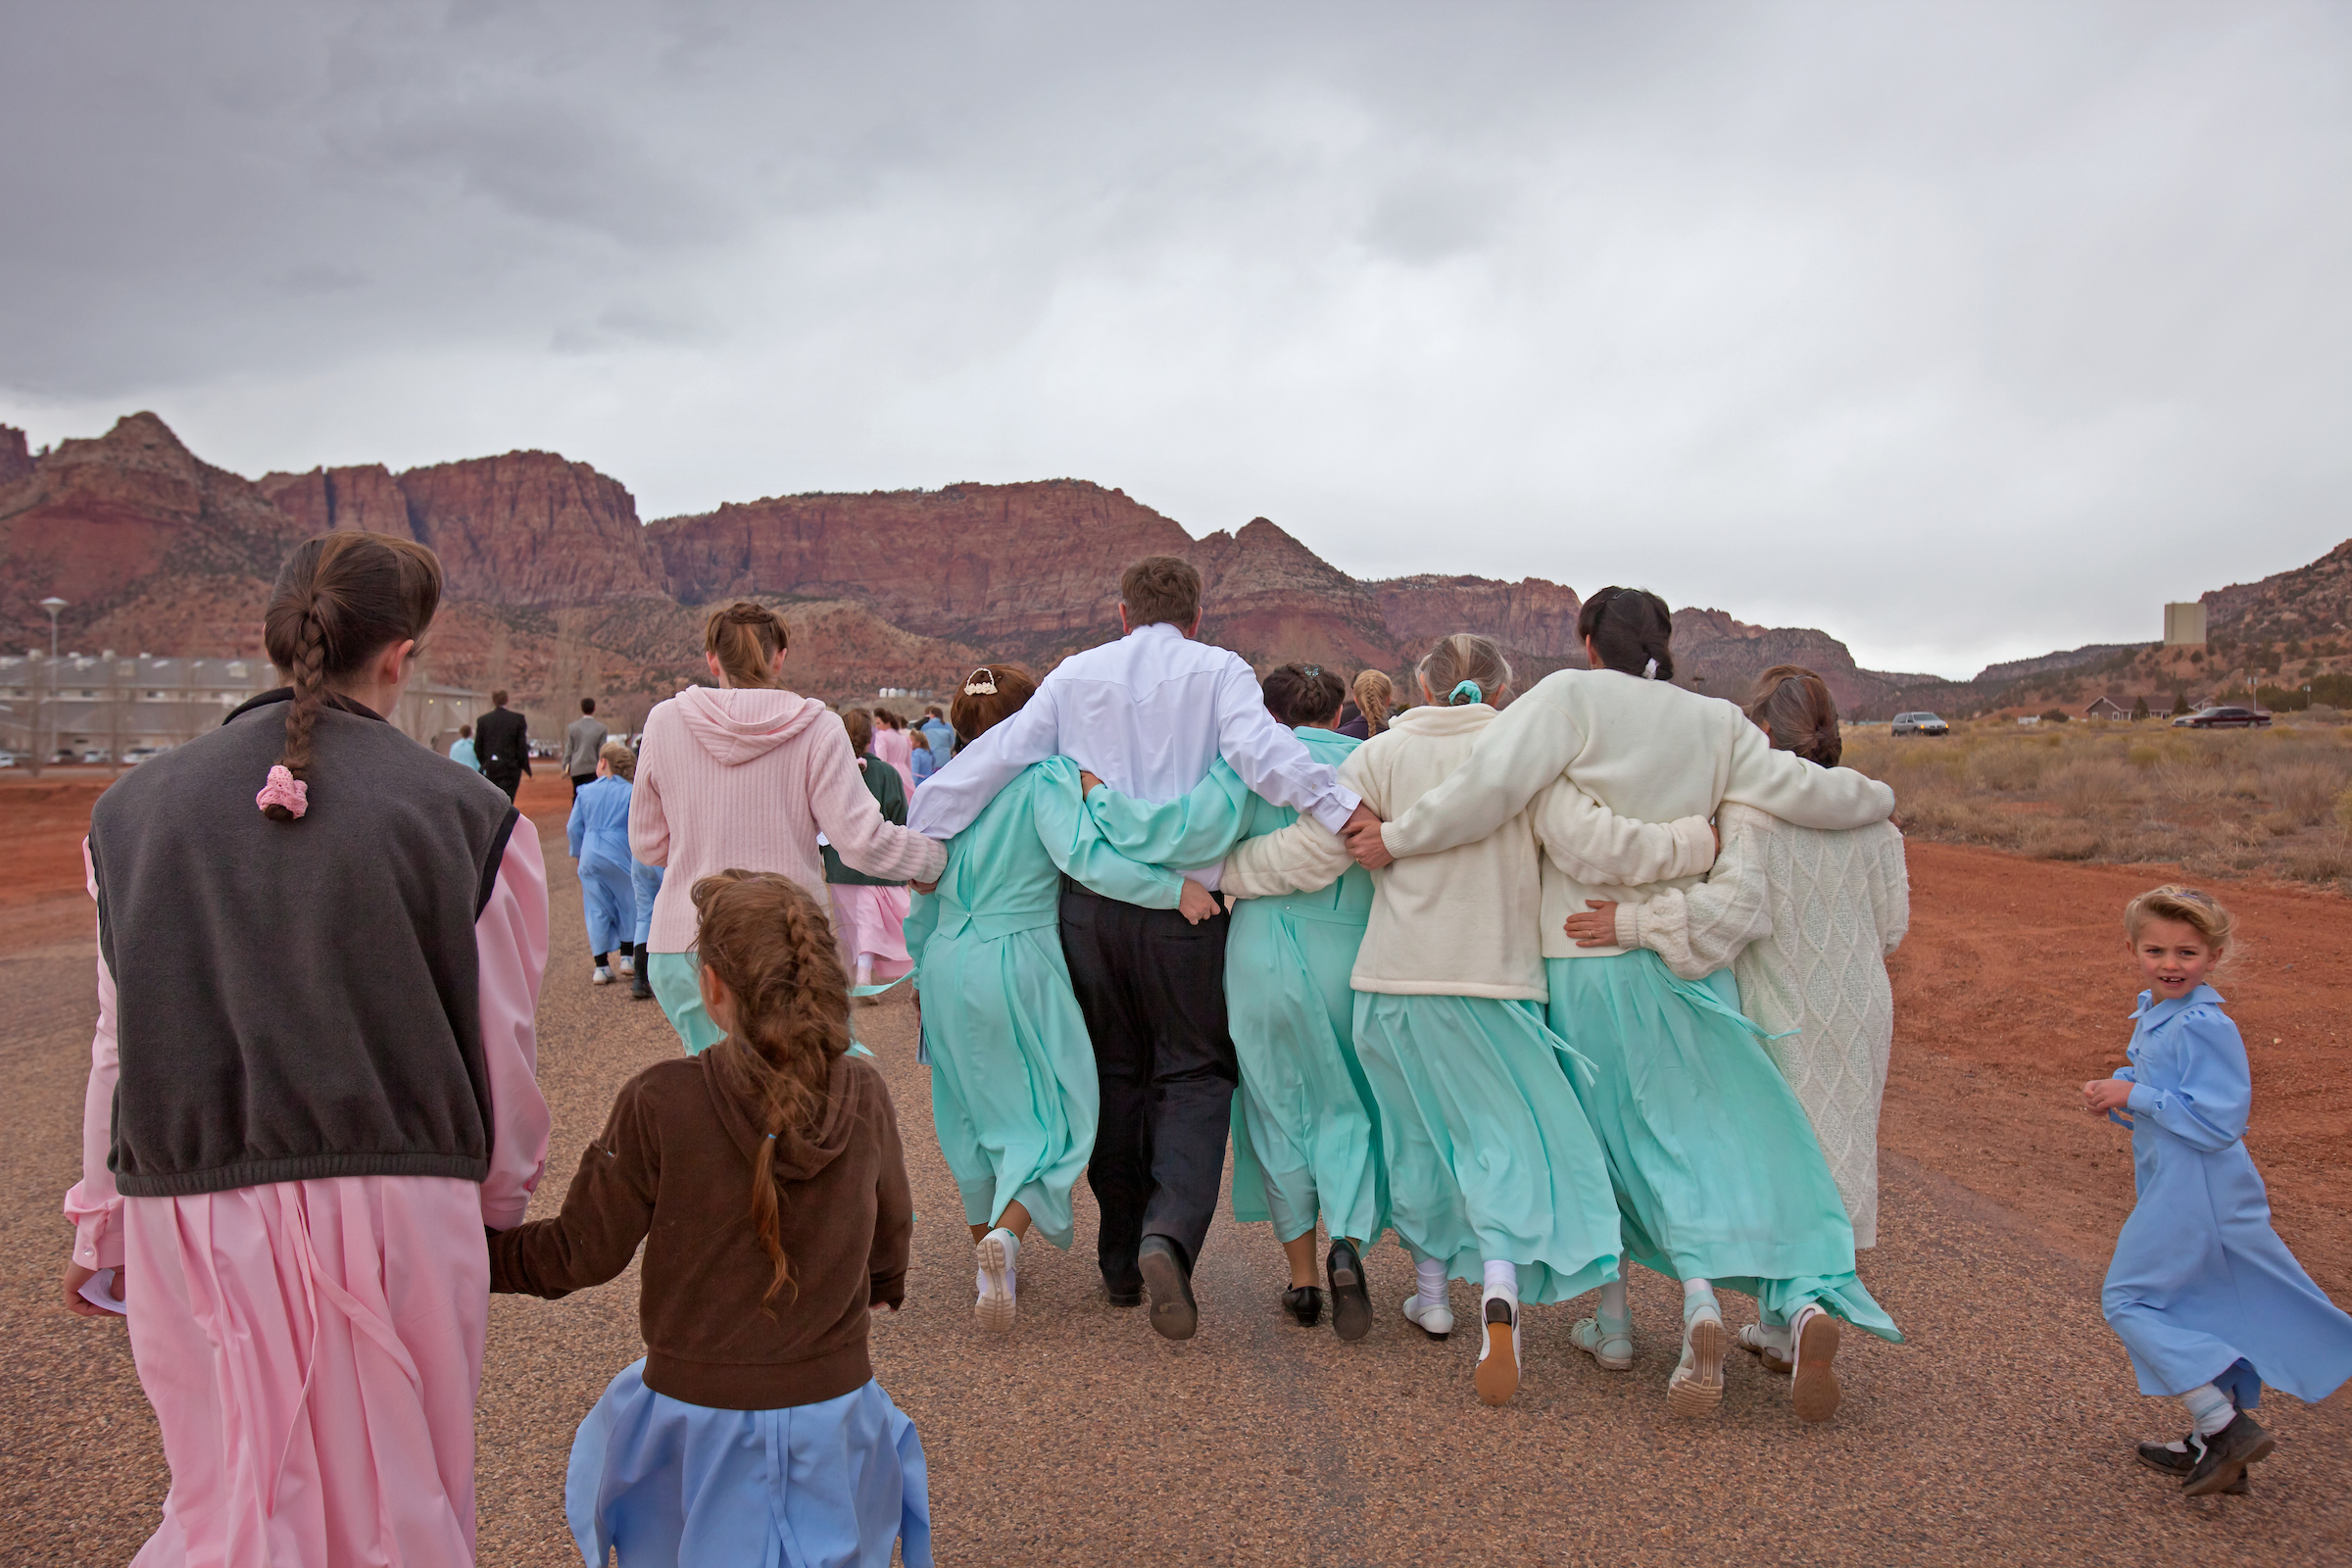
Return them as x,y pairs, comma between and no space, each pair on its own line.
2304,789
2279,824
2191,785
2008,768
2316,860
2344,814
2062,841
2091,786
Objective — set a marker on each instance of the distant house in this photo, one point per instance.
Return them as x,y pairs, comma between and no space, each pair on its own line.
2108,708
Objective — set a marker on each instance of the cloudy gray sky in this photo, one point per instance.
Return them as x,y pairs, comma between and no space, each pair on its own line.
1966,331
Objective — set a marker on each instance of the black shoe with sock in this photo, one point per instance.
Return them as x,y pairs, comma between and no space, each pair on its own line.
1351,1299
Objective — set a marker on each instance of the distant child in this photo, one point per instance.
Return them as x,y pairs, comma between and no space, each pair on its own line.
599,835
891,744
461,750
2202,1292
765,1178
924,762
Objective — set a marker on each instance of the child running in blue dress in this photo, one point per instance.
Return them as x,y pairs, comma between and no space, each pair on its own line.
2202,1292
598,834
765,1180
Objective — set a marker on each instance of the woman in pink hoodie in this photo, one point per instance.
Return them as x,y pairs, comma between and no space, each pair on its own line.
744,777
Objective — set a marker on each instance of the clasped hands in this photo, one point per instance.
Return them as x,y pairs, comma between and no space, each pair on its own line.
2103,1095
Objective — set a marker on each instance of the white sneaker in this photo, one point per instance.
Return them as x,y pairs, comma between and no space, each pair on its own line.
601,977
1497,1375
1697,1386
1813,1378
1434,1319
997,1255
625,966
1613,1349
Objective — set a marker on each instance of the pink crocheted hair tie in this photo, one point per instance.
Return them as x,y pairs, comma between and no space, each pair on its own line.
284,789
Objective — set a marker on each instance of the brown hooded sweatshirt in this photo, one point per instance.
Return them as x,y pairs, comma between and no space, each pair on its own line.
673,1169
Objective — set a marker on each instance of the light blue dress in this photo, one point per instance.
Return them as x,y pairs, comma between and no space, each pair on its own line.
645,882
599,835
664,1482
463,752
1306,1126
1717,1172
2201,1287
1014,1099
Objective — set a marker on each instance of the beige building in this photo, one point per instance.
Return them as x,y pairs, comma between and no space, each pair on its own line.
107,708
2185,625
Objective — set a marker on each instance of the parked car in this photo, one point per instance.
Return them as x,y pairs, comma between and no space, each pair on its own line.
9,760
140,754
1920,724
96,758
2224,719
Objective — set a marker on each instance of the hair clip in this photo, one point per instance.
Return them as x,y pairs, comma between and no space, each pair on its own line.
1313,671
981,682
1650,671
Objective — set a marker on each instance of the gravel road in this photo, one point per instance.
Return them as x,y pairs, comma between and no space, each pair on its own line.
2001,1433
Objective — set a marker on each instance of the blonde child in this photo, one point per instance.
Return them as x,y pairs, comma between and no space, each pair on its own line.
2202,1292
765,1180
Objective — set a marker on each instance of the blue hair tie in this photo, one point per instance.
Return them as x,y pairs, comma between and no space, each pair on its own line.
1477,692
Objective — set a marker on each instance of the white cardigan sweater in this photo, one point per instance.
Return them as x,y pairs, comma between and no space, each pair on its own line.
1460,923
1646,749
1806,919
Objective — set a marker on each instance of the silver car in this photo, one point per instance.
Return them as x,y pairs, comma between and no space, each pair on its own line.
1920,724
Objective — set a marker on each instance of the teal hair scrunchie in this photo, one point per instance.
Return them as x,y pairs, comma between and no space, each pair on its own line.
1478,692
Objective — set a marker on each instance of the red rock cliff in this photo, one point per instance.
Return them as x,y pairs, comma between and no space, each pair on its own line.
366,498
529,528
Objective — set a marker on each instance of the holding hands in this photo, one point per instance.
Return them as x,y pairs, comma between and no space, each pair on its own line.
1361,832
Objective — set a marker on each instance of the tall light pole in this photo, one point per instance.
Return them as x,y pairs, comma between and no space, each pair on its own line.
53,604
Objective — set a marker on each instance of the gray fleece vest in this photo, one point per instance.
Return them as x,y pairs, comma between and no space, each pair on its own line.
297,1000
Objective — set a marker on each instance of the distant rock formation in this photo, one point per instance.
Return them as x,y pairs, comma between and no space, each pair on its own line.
1534,621
366,498
2072,659
15,457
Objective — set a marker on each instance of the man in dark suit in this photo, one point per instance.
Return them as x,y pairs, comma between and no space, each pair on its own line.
502,740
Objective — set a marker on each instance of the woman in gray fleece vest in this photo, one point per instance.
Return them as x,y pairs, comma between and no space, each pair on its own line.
319,948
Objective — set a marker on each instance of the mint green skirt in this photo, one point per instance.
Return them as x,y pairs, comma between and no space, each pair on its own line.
1014,1099
1489,1153
676,980
1306,1126
1717,1173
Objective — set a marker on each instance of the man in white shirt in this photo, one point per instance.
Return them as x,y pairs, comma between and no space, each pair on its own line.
1150,715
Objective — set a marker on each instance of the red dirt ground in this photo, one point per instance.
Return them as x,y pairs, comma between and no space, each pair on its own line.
2012,989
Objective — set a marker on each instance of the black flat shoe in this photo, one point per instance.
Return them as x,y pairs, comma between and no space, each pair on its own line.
2226,1454
1306,1303
1351,1301
2178,1462
1174,1313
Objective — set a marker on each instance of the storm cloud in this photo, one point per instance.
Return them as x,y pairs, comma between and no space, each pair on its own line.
1963,332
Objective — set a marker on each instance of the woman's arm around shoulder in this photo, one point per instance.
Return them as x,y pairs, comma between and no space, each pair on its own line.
1890,887
606,1213
1076,845
1796,791
849,816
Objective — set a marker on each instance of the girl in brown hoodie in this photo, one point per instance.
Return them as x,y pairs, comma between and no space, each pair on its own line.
765,1180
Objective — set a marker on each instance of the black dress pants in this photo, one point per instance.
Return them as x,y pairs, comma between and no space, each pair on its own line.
509,779
1153,989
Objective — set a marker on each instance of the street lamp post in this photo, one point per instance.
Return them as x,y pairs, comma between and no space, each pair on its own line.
53,604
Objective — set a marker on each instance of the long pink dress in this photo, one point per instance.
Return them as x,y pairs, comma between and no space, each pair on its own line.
894,747
313,1349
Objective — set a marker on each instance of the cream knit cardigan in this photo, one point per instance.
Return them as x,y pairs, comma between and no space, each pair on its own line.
1806,919
1462,922
1646,749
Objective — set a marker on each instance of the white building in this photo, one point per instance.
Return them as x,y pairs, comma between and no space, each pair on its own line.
2185,625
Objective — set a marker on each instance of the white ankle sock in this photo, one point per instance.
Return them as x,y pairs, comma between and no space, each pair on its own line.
1698,1295
1502,1275
866,968
2209,1409
1614,1314
1430,1276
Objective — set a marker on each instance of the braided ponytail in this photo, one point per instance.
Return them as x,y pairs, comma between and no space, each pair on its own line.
1375,694
341,599
1793,706
774,949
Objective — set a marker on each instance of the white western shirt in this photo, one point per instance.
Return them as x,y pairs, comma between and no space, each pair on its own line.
1148,714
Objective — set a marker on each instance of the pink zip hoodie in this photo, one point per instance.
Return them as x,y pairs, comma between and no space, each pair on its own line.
746,778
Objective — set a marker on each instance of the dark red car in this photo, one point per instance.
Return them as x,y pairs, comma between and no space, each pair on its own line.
2224,719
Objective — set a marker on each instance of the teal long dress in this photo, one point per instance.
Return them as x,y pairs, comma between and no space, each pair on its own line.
1306,1127
1716,1170
1015,1099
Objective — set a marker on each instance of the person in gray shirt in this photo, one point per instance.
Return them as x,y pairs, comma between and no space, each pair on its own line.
583,740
